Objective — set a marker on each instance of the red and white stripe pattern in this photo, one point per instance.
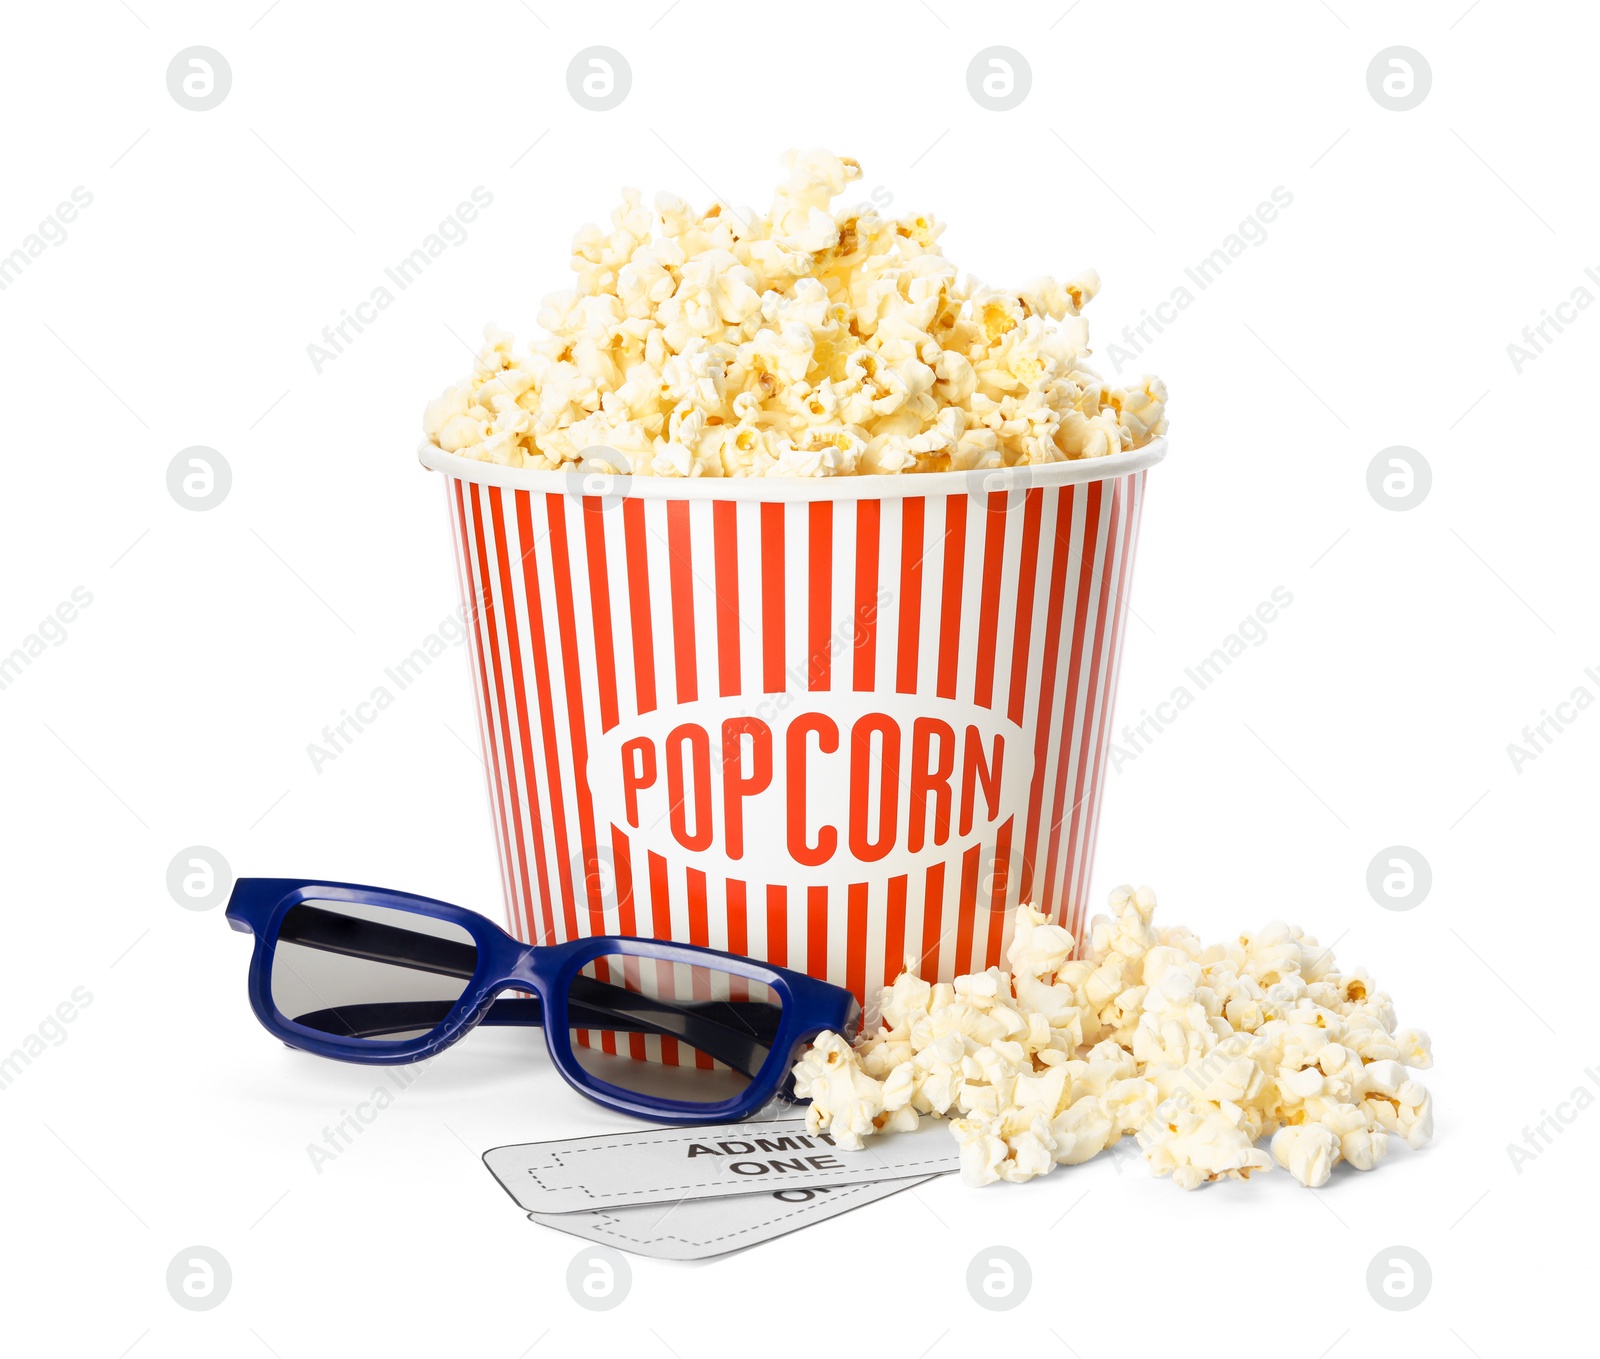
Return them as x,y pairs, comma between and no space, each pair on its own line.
586,615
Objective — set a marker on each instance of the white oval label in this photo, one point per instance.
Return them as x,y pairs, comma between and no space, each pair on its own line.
805,787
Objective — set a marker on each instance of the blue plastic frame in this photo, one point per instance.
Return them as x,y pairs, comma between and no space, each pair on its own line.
258,907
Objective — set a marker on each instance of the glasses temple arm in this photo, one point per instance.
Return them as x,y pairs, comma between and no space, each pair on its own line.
603,1007
591,1003
624,1011
330,932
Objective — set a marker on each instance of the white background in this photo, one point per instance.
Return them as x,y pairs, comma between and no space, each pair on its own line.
218,644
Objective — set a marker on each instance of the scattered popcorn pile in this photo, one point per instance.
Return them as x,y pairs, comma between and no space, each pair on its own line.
809,342
1196,1051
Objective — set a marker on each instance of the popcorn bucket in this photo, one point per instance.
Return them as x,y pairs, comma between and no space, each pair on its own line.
836,724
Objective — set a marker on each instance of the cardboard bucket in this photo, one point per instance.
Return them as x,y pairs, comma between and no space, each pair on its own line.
836,724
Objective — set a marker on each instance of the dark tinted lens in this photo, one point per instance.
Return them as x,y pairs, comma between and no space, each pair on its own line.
671,1030
359,971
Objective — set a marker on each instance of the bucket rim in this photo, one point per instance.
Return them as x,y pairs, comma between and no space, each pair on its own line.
869,486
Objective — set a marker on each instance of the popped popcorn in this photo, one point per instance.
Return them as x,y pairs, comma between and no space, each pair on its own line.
845,1099
1198,1052
812,341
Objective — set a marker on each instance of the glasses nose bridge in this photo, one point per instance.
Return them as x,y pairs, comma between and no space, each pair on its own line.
520,968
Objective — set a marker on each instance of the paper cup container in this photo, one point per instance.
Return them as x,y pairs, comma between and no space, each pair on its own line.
835,724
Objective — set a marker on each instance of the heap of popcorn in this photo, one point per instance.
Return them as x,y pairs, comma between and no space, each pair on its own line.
813,341
1197,1052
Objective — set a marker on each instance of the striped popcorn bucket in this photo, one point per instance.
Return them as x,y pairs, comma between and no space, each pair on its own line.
836,724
